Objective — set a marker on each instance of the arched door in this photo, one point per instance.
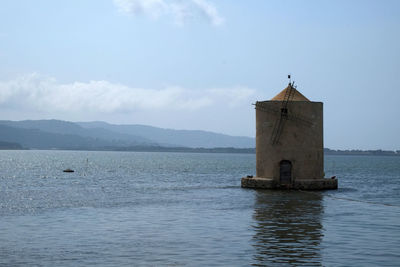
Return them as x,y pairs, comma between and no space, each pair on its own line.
285,172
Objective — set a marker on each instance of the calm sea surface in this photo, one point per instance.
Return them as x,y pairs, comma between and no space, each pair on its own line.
182,209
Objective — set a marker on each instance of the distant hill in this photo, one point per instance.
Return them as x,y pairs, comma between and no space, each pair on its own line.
9,146
37,139
56,134
170,137
70,128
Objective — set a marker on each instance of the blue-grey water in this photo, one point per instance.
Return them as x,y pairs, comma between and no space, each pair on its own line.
182,209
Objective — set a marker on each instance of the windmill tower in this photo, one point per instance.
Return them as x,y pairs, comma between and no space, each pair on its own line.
289,143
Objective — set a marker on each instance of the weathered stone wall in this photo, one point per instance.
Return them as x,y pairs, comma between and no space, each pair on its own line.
301,140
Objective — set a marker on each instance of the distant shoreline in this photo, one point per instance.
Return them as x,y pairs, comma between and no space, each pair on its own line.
231,150
358,152
102,136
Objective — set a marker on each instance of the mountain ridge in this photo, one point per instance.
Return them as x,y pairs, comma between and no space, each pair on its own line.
173,137
45,134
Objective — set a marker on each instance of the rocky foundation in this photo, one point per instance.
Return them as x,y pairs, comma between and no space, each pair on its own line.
268,183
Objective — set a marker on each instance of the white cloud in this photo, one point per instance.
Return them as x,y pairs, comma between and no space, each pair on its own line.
180,10
153,8
41,94
210,11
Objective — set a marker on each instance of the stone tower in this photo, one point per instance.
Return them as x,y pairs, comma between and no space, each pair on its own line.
289,143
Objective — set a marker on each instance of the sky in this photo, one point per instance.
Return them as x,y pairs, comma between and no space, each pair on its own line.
200,64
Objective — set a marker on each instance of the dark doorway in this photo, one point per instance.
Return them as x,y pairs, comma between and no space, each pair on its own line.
285,172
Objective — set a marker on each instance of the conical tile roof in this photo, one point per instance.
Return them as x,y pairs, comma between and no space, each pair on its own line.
296,95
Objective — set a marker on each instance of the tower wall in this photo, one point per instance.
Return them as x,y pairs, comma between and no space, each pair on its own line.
300,142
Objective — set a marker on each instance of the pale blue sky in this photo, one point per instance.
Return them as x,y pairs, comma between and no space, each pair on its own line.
199,64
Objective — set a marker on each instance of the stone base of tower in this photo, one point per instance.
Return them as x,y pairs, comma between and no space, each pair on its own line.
269,183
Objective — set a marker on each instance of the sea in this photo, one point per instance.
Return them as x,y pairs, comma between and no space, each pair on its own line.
188,209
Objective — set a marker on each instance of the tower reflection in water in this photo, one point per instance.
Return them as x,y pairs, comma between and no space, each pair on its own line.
287,228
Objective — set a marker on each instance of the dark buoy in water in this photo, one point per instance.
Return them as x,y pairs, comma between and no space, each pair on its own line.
68,170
